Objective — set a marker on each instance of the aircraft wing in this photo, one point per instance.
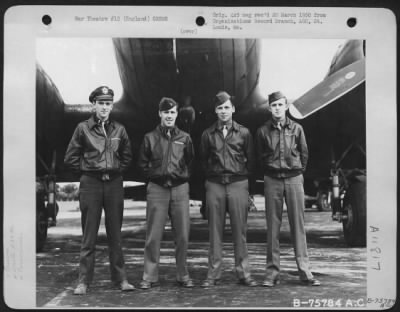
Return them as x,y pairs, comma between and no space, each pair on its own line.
331,88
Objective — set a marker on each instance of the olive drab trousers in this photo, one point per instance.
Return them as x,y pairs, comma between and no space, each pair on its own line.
94,195
161,203
291,190
232,198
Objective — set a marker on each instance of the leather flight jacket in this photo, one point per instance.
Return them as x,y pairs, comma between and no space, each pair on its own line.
101,151
282,153
166,160
229,159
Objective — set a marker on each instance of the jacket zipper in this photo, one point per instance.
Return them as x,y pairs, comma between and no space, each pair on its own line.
166,161
224,150
105,143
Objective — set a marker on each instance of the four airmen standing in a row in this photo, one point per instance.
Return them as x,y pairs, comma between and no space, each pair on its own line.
100,151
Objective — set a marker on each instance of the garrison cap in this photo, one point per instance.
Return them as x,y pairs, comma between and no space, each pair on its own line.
221,98
275,96
101,93
166,104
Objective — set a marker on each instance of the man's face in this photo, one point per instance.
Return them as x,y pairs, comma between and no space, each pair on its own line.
168,117
103,108
225,111
278,108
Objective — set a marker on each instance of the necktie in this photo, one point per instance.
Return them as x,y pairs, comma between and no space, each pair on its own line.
279,126
225,131
104,129
168,133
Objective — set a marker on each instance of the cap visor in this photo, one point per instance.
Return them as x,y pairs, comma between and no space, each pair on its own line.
104,97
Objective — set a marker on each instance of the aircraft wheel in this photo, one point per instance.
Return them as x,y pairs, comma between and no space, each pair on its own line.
323,201
41,225
52,212
355,204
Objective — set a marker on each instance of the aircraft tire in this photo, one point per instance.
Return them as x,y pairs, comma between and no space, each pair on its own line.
354,227
41,224
52,212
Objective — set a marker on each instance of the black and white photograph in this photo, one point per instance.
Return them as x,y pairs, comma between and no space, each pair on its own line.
135,75
204,172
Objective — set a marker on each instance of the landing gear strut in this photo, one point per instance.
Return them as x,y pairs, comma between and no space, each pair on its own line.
45,214
349,202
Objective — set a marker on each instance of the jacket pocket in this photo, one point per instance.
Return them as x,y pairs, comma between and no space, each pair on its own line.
155,163
238,163
115,142
295,159
155,168
90,160
267,158
116,161
91,154
178,153
240,158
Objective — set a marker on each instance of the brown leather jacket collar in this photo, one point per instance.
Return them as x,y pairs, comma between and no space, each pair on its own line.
216,126
288,123
93,121
164,130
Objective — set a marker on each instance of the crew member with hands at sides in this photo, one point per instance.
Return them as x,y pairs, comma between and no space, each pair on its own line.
100,151
165,158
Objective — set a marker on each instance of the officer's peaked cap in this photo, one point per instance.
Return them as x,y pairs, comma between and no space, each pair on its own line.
101,93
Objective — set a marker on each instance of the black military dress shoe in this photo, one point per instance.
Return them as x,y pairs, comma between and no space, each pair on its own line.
248,282
208,283
312,282
187,284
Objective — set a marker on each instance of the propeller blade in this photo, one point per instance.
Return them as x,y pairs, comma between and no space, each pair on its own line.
330,89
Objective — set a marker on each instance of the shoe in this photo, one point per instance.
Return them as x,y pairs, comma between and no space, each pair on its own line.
270,282
312,282
125,286
146,284
208,283
80,289
248,282
187,284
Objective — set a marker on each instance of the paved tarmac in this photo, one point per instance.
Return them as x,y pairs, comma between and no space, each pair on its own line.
341,270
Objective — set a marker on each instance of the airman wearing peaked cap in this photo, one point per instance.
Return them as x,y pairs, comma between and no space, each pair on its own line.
101,93
100,151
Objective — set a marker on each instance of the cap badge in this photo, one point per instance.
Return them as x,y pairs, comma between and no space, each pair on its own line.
105,90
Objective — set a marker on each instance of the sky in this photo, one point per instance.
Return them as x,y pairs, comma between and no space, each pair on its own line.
294,66
79,65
